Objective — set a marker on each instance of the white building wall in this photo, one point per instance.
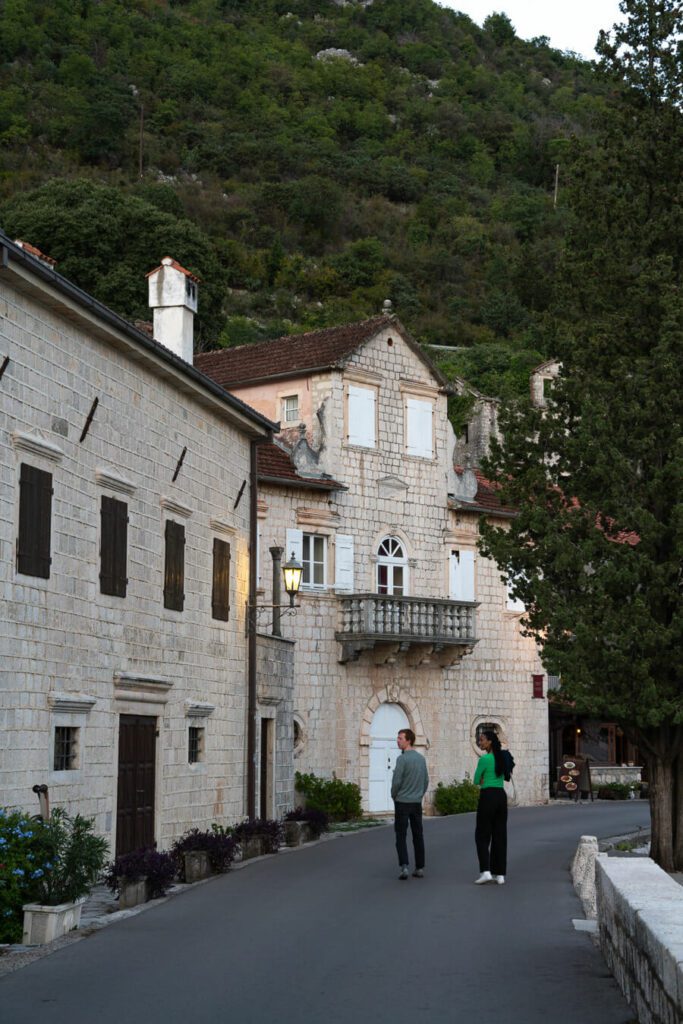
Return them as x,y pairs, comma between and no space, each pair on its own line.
61,635
392,493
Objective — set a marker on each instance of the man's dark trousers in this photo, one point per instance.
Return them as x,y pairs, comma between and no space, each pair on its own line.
412,813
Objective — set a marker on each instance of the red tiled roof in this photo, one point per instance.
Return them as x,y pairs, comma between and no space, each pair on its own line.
35,252
296,354
486,499
168,261
275,466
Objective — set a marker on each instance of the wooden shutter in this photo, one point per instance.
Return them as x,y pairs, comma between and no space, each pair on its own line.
220,594
361,416
35,518
113,547
343,561
419,428
174,567
462,575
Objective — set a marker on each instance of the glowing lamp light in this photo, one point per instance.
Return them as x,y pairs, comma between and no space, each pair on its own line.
292,572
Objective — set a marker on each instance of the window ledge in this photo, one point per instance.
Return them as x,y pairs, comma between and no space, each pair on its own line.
113,481
36,445
80,703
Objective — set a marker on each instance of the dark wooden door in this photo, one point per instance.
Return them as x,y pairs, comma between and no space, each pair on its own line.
135,800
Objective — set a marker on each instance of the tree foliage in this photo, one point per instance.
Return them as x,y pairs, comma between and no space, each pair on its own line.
421,170
596,549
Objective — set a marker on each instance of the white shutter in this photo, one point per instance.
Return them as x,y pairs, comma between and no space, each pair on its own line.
343,558
258,556
295,545
462,575
419,428
513,604
361,416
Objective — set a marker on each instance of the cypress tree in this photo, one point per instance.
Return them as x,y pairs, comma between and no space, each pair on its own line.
596,549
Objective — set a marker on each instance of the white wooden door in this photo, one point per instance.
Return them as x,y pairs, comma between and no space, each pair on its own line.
386,722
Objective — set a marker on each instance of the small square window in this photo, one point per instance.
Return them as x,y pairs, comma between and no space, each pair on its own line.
66,748
290,408
195,744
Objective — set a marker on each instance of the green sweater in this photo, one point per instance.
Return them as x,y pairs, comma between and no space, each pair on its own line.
485,775
410,779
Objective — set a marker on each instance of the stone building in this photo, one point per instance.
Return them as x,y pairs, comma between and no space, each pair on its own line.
124,560
401,621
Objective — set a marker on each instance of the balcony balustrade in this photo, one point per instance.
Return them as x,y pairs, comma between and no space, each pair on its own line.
427,630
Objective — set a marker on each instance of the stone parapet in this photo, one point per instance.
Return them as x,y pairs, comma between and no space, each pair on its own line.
640,917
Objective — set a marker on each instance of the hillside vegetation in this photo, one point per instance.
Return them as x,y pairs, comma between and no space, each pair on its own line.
303,187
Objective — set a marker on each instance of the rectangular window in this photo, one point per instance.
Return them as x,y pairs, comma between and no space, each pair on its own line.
361,414
220,593
419,428
66,748
113,547
290,408
174,566
35,518
195,744
314,557
513,604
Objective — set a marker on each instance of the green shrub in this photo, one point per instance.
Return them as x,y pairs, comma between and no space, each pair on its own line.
614,791
339,800
458,798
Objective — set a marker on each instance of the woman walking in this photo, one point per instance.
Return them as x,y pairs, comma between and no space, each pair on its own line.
492,811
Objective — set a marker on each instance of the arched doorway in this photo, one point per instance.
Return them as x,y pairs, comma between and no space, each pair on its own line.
386,722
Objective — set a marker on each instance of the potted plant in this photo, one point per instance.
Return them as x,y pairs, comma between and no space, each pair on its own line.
303,825
200,854
75,857
257,836
141,875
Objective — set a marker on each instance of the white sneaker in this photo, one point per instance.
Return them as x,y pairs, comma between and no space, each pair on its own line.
484,877
499,879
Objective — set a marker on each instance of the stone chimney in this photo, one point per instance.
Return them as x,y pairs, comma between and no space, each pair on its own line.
173,297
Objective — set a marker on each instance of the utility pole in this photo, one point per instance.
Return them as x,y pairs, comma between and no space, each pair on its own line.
557,184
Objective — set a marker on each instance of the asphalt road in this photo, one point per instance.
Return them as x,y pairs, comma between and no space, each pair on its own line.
328,935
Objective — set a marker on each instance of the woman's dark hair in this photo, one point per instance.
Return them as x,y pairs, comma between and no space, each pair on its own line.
496,750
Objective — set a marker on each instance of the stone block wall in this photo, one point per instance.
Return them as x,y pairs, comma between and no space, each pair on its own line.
61,636
275,696
640,917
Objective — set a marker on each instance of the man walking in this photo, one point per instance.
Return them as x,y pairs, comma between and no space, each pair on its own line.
408,786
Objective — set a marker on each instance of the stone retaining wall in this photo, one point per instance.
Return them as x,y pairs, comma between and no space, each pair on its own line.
640,917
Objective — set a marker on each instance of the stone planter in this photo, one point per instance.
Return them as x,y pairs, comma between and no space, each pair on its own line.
252,847
44,924
297,832
196,865
133,892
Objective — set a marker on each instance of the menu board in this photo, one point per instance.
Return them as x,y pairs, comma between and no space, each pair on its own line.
569,776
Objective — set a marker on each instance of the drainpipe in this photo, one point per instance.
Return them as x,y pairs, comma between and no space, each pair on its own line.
251,628
43,795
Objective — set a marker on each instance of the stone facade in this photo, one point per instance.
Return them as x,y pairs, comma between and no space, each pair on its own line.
274,680
74,658
389,493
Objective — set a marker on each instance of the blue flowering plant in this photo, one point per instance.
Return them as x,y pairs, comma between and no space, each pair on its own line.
25,860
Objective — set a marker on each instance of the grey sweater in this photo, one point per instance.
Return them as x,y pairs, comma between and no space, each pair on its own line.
410,779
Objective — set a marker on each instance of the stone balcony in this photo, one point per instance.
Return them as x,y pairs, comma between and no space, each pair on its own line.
424,630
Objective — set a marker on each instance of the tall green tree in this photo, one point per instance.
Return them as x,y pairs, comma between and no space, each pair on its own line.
596,549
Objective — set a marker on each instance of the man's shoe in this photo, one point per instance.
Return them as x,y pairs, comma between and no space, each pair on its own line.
404,873
499,879
418,873
484,877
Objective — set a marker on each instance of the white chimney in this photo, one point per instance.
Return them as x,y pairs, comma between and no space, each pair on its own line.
173,297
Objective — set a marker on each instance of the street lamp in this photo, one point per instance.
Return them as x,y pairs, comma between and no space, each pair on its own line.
292,572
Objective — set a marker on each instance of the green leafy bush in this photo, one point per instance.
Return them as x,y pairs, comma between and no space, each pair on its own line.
339,800
457,798
614,791
24,860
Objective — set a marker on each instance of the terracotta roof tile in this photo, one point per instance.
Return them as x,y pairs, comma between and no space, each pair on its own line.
275,466
168,261
294,353
35,251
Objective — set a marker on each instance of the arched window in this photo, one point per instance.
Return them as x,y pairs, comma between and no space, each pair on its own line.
392,567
